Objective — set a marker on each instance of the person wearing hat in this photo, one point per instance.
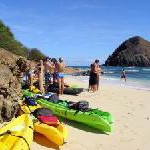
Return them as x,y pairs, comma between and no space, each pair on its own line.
59,72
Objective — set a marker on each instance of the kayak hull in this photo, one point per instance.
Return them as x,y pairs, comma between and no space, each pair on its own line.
55,134
20,136
100,120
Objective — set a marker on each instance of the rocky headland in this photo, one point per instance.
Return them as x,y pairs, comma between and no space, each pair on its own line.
133,52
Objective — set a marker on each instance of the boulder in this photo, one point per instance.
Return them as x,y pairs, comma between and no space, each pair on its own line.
10,87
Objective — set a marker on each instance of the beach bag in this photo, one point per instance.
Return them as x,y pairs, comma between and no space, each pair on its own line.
30,101
42,112
81,105
50,120
54,98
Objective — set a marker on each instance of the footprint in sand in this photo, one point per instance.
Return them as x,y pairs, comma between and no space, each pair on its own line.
147,118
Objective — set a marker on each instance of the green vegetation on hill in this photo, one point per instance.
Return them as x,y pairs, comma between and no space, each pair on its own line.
35,54
8,42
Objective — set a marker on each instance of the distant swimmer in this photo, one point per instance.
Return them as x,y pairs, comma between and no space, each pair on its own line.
123,75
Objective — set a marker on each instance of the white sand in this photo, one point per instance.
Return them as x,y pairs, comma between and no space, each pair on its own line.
131,110
131,129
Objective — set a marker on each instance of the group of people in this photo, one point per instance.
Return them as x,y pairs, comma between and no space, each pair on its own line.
95,72
47,71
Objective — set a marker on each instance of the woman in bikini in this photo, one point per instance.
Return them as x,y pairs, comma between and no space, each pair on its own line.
59,69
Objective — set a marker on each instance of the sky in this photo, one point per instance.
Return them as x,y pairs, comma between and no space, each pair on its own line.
80,31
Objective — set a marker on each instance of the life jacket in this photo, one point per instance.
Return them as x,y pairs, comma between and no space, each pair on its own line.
42,112
50,120
44,115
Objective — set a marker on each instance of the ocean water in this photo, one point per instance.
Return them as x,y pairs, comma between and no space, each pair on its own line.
137,77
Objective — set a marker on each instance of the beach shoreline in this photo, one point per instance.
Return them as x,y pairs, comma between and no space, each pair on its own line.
130,109
114,81
137,77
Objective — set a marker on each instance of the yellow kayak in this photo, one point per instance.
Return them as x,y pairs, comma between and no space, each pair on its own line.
17,134
56,134
28,109
34,89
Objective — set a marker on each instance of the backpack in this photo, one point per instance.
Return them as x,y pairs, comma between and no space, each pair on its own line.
81,105
30,101
42,112
54,98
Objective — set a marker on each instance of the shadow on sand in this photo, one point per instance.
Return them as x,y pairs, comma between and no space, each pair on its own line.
42,140
81,126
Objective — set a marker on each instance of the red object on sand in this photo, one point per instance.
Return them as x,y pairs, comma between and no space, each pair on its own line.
50,120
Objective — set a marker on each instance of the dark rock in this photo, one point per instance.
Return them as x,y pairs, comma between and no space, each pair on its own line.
133,52
10,87
82,73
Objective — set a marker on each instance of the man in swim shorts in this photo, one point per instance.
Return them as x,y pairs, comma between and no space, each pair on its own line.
48,68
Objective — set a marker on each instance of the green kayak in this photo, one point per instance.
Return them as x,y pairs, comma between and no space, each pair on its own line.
27,93
95,118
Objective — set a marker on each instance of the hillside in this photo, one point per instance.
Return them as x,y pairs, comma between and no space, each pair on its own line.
133,52
8,42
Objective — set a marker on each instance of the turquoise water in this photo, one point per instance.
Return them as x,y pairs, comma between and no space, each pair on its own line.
137,77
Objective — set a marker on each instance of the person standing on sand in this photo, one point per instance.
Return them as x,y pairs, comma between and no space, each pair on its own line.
54,62
123,75
30,73
48,68
41,76
98,72
59,69
94,73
